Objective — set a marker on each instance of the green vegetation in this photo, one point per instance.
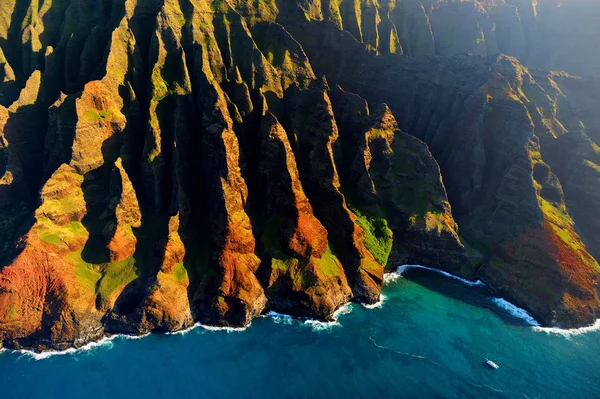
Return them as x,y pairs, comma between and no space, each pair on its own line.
50,238
220,6
87,274
116,275
12,312
561,224
179,273
378,236
96,116
103,279
593,165
54,234
416,196
69,205
329,263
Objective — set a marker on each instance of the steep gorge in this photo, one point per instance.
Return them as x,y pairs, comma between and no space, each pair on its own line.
171,161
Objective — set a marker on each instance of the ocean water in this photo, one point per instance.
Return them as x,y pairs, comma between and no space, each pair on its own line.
429,338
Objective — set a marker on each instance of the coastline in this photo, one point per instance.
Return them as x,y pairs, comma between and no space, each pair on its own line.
317,325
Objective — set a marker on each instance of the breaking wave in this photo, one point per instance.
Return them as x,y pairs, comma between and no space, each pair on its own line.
569,333
104,342
516,311
377,304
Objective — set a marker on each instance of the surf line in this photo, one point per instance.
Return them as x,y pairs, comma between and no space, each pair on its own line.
568,333
106,341
208,328
316,325
503,304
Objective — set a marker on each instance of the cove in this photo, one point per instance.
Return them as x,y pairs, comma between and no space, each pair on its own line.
429,338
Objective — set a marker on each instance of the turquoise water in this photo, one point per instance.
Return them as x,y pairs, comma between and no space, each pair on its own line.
430,339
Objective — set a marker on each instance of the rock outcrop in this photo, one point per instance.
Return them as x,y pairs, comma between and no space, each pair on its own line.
168,162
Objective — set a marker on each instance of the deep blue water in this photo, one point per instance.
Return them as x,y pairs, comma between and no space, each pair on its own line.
430,339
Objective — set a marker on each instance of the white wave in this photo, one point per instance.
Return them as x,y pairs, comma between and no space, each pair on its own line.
207,328
318,325
515,311
377,304
104,342
404,268
133,337
280,318
184,331
390,277
342,310
227,329
569,333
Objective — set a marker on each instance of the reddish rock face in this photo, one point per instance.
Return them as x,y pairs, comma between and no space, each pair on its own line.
215,160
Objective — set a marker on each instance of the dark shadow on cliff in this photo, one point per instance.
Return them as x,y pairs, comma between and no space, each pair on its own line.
18,198
95,187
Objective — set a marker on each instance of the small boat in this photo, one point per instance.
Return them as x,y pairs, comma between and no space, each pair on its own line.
491,364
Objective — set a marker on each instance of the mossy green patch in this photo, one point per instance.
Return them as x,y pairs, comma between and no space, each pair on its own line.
593,165
561,223
329,263
87,274
12,312
378,237
103,279
54,234
284,265
50,238
67,205
115,275
96,116
179,273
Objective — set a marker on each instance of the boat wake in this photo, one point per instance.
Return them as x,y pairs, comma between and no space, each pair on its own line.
402,353
402,269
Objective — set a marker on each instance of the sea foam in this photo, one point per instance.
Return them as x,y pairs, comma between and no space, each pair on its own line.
315,325
377,304
569,333
516,311
104,342
390,277
226,329
280,318
207,328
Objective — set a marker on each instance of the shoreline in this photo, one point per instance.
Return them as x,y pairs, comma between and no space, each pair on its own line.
317,325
